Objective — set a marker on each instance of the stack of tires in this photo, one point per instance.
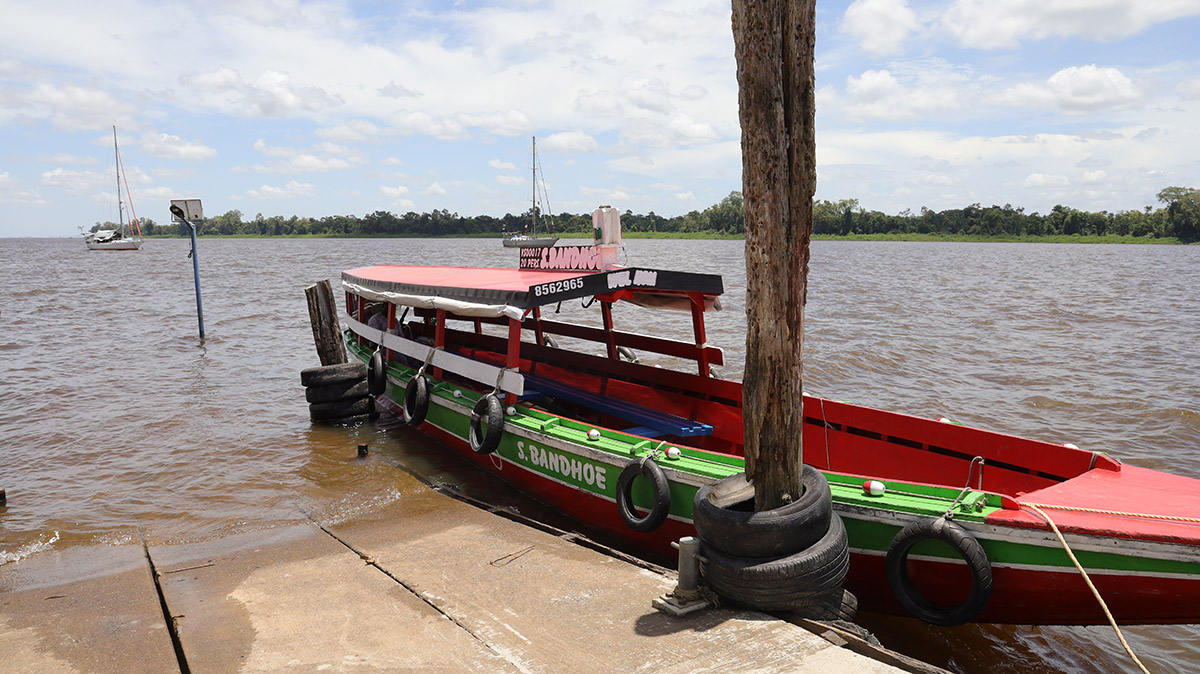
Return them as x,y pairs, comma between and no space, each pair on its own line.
337,393
792,558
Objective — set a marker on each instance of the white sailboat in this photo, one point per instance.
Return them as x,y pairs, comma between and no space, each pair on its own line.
531,239
117,239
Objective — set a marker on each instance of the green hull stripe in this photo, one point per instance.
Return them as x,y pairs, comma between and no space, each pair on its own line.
600,477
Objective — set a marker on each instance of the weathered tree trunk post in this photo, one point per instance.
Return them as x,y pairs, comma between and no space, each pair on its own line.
322,313
774,42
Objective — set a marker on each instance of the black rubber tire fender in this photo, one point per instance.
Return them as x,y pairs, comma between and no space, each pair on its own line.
377,374
549,341
660,487
416,400
332,374
740,531
340,408
781,583
488,409
342,390
836,604
625,353
972,553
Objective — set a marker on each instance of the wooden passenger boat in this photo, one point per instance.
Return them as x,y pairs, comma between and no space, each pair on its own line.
570,423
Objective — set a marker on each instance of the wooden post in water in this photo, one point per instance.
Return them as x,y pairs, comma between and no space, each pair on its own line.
773,43
322,313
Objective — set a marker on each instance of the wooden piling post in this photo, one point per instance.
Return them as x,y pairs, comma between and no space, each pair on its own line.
774,42
322,313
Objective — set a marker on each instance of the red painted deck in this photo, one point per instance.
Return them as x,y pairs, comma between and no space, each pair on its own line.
1131,490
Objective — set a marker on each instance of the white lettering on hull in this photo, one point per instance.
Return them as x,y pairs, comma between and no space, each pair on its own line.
566,466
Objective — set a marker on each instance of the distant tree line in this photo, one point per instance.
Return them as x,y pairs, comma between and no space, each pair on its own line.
1179,217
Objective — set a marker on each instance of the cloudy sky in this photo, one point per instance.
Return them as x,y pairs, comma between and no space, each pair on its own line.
289,108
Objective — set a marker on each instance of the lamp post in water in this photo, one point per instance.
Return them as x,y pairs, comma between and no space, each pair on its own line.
186,211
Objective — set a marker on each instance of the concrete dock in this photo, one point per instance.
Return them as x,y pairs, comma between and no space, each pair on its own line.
426,584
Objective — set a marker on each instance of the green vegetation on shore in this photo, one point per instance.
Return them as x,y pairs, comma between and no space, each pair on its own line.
1177,221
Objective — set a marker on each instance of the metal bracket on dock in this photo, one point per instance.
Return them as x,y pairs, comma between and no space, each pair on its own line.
687,597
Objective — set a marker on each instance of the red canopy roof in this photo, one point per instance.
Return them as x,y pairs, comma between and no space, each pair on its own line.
524,288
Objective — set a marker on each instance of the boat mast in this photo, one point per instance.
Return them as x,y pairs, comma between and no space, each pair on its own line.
117,166
533,179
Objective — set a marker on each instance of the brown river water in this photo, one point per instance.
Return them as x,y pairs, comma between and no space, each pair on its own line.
118,424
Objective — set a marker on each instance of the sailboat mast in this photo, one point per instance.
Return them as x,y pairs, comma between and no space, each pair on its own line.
117,166
533,179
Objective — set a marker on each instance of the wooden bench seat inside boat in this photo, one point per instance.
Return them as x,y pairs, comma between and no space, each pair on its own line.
654,401
653,423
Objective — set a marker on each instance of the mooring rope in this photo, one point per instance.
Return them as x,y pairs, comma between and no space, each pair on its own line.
1149,516
1088,580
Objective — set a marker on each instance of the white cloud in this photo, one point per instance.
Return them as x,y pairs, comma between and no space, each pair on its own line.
457,127
569,141
398,195
320,158
1076,90
880,26
1189,87
651,95
443,128
507,123
880,94
939,180
82,160
686,130
354,131
174,147
1045,180
987,24
74,108
503,165
271,94
393,90
12,193
598,104
77,182
436,189
510,180
291,190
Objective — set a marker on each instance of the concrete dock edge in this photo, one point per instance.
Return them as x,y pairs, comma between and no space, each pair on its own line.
426,583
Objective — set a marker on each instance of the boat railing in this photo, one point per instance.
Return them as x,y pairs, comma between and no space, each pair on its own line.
604,367
488,375
639,342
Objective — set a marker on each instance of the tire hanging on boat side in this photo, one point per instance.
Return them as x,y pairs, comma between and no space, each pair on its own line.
488,410
377,374
972,553
416,400
653,472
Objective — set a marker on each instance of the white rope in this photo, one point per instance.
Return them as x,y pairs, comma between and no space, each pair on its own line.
1088,580
1119,513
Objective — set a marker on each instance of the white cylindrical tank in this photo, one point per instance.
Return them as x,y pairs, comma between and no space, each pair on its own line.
606,225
